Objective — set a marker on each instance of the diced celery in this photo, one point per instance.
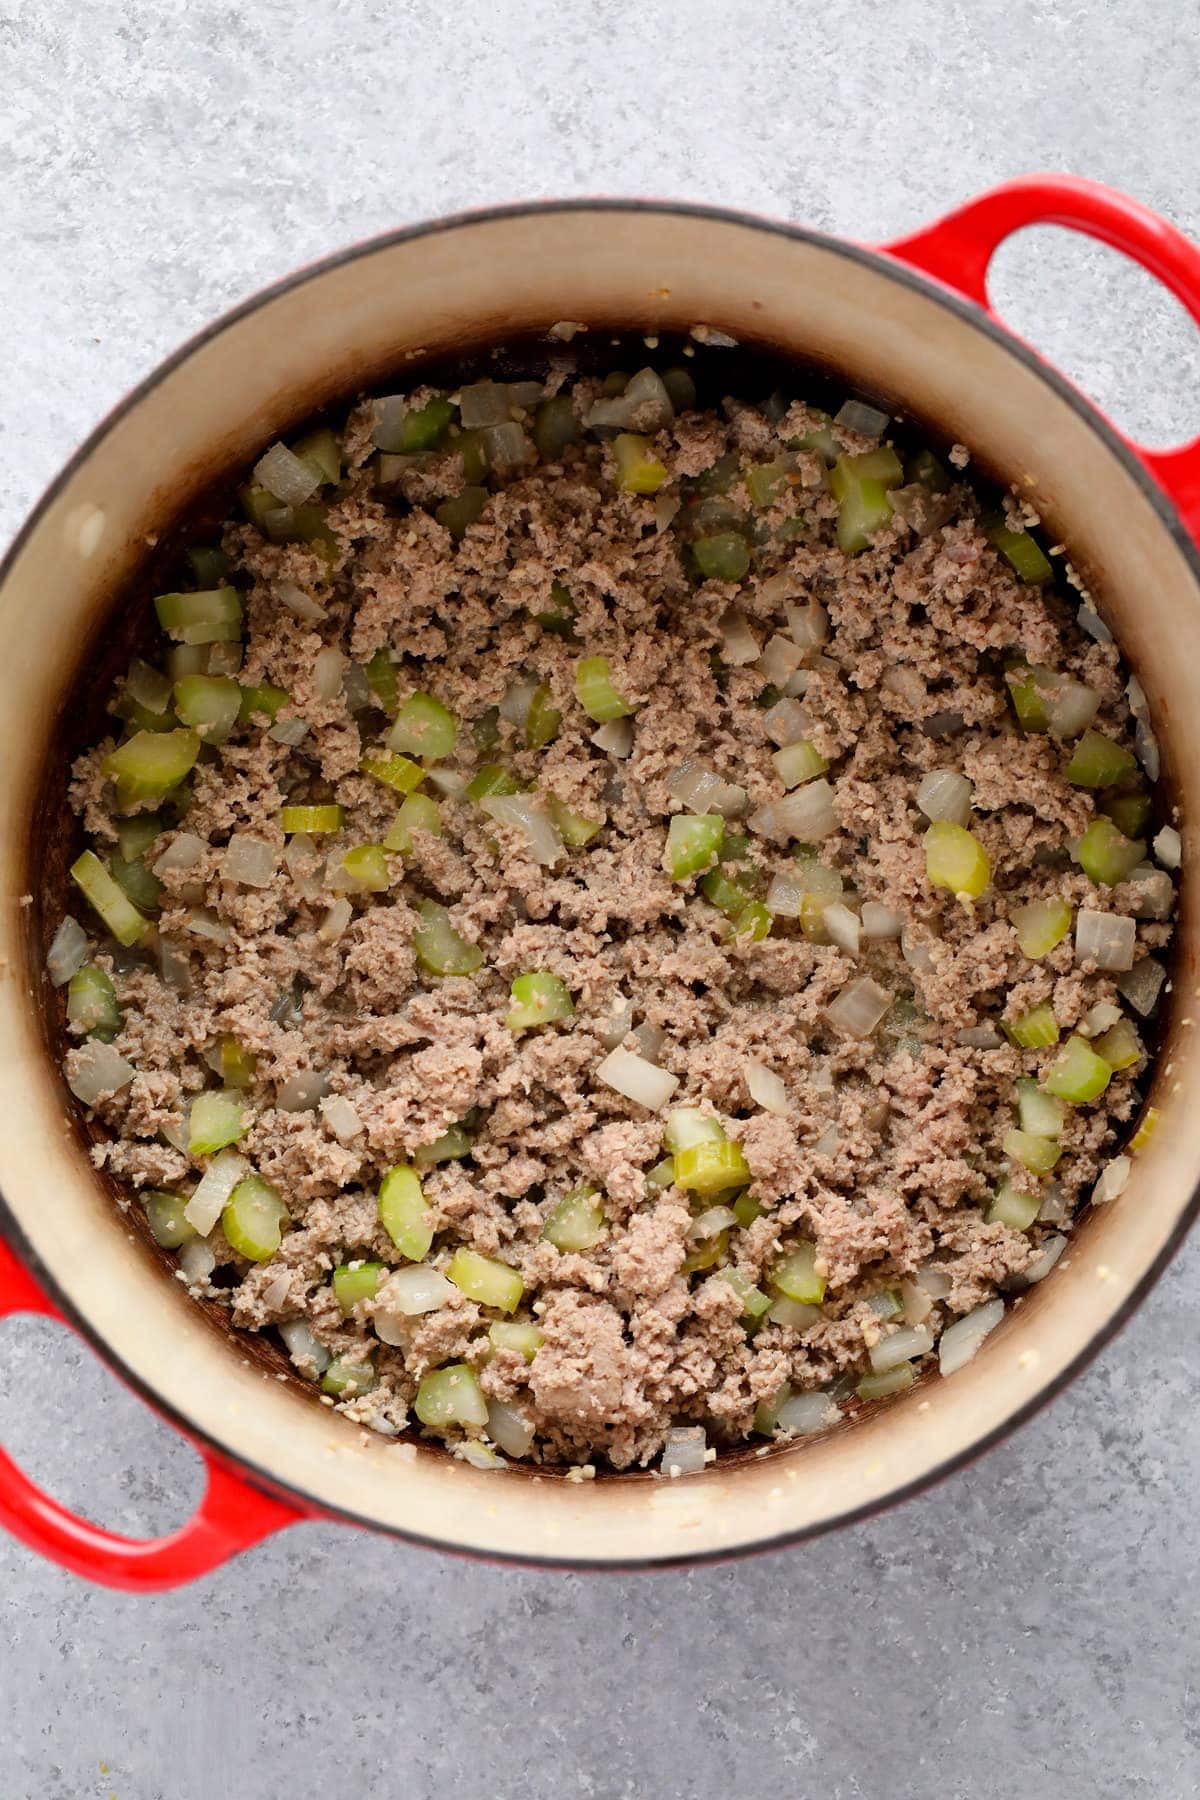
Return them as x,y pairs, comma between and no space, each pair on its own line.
797,763
262,699
576,1222
209,565
795,1275
1130,813
1038,1154
754,1302
595,691
1120,1046
150,763
254,1218
450,1396
439,947
892,1381
662,1175
118,913
1041,925
753,922
719,891
821,439
137,883
575,829
560,617
210,704
417,813
723,556
423,428
681,388
615,383
746,1209
1077,1074
165,1217
860,486
424,727
472,447
237,1064
483,1279
393,771
955,859
404,1212
765,482
638,469
321,450
1106,855
543,719
887,1303
1021,552
216,1119
687,1125
311,819
489,779
925,467
1027,688
450,1147
1012,1208
1098,762
710,1168
1038,1112
462,511
353,1282
205,618
1035,1029
693,844
135,835
707,1253
92,1003
554,427
366,865
346,1379
1146,1128
383,681
512,1334
539,998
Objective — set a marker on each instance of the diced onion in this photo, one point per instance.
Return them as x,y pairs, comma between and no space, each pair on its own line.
328,669
1098,1018
173,966
765,1087
979,1037
615,737
356,688
300,604
197,1260
807,813
859,1007
842,926
905,683
808,625
483,403
1071,709
68,951
415,1290
1154,894
933,1281
1044,1261
249,860
649,1040
511,1430
701,790
793,1315
301,1092
880,922
515,705
856,415
787,722
738,643
341,1118
1107,939
288,731
336,920
615,1029
645,406
635,1078
797,685
945,794
804,1413
213,1190
780,659
1053,1209
1112,1180
1091,622
204,924
1146,745
542,837
960,1341
97,1069
685,1450
1142,984
447,781
507,445
303,1347
274,1292
902,1346
829,1141
183,852
666,506
712,1222
1168,847
786,897
304,865
917,952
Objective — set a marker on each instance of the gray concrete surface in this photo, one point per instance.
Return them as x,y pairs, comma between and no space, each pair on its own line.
1028,1629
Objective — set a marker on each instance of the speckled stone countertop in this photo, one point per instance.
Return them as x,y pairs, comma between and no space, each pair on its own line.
1027,1629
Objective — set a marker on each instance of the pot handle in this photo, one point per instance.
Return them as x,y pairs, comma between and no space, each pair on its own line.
958,248
231,1516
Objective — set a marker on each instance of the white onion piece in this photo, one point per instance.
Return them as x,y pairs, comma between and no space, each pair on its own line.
787,722
1146,745
356,689
1044,1261
204,924
1154,893
542,838
483,403
933,1281
447,781
68,951
794,1315
301,1092
804,1413
856,415
197,1260
859,1007
516,702
97,1069
328,668
666,506
509,1429
1053,1210
917,952
1142,984
1071,708
829,1141
945,794
649,1040
797,685
1135,693
645,406
808,625
183,852
506,446
616,1028
212,1056
901,1346
842,926
917,1303
786,896
1168,847
1098,1018
1112,1181
979,1037
960,1341
615,738
702,790
711,1223
738,643
765,1087
305,866
250,861
1106,939
286,475
303,1347
289,731
416,1290
880,922
274,1291
213,1190
808,813
905,683
1091,622
176,1135
636,1079
300,604
341,1118
336,920
173,966
685,1450
780,659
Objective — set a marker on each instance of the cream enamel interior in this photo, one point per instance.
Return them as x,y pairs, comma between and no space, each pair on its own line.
351,324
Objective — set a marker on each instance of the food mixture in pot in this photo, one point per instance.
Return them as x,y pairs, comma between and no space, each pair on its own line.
615,926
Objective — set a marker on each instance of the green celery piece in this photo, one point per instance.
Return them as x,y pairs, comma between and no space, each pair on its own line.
262,700
485,1280
1120,1046
747,1209
472,447
147,765
1022,552
346,1379
92,1003
450,1396
639,471
439,947
1027,684
209,566
254,1218
354,1282
1034,1030
693,844
394,771
424,428
681,389
709,1168
217,1118
512,1334
1130,813
165,1217
1012,1208
1040,926
1098,763
543,719
1147,1127
576,1222
955,859
137,882
462,511
926,468
1038,1154
210,617
418,812
539,998
719,891
322,452
765,482
135,835
209,704
892,1381
405,1214
1105,855
366,865
725,556
575,829
595,691
860,486
753,923
795,1275
560,618
798,763
662,1175
119,914
688,1125
452,1146
554,427
490,778
707,1253
1077,1074
383,681
424,727
238,1065
754,1302
311,819
1040,1113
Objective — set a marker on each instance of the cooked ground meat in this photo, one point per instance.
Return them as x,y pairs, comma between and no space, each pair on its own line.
347,1015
